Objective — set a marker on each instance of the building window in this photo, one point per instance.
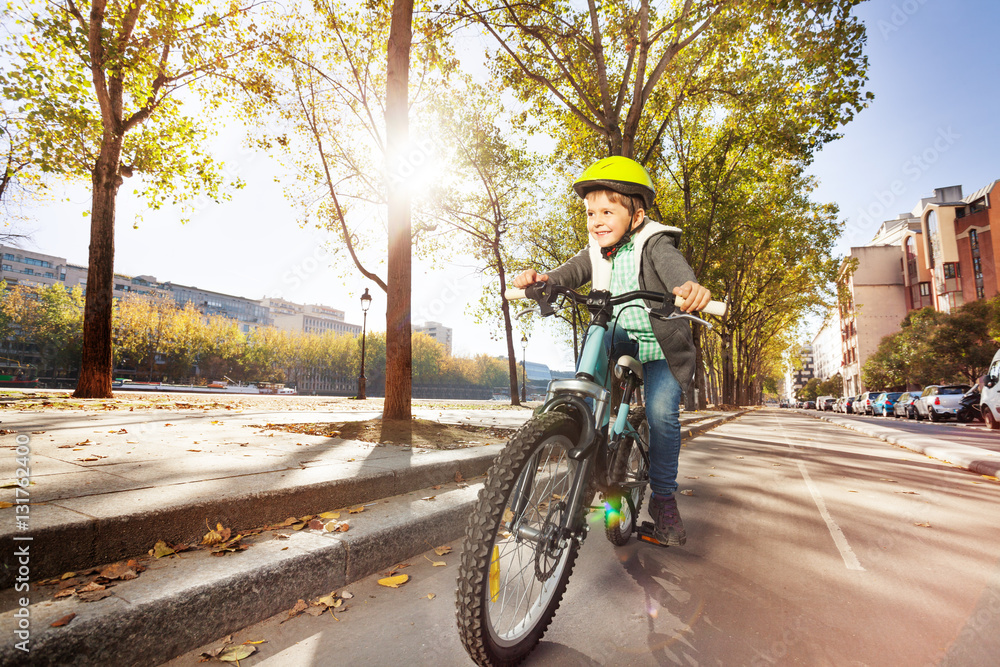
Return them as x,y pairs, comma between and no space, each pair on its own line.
974,239
8,267
952,270
9,256
925,289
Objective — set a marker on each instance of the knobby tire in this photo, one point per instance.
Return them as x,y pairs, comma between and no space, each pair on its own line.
550,431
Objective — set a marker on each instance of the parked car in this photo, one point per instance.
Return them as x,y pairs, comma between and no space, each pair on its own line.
838,405
848,405
809,405
989,402
885,401
821,402
939,402
904,405
865,405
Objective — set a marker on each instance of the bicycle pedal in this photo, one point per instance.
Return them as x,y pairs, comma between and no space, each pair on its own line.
644,533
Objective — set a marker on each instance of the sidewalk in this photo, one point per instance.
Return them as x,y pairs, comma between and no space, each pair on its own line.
108,486
974,459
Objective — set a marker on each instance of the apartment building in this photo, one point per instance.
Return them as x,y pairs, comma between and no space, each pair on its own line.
874,305
435,330
800,371
826,345
308,318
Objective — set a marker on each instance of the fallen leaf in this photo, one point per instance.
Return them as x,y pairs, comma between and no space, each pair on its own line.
436,563
357,510
4,505
925,525
687,492
394,581
283,536
256,641
508,516
237,653
119,571
93,596
217,536
442,550
194,450
298,526
429,498
161,549
436,487
63,621
458,476
430,596
330,515
231,546
64,593
299,607
90,588
347,595
68,575
691,477
316,524
316,611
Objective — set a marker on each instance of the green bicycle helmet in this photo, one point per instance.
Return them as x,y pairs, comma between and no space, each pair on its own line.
619,174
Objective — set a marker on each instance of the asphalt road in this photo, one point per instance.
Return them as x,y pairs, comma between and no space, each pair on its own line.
974,433
808,544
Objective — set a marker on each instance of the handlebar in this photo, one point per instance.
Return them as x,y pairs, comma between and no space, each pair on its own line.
713,307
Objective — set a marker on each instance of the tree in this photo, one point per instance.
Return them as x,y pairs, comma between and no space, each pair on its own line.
487,197
962,340
99,87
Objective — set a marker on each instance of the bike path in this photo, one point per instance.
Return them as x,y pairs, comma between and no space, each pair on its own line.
984,460
760,581
154,488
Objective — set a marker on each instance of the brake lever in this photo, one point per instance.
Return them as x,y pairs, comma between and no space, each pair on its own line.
660,313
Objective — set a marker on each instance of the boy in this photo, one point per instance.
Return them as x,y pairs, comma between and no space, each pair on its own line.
617,192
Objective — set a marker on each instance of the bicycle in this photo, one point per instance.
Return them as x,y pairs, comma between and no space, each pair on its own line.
529,520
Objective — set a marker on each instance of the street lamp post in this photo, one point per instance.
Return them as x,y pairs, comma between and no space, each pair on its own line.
366,302
524,368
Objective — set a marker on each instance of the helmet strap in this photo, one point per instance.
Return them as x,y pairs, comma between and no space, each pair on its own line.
609,252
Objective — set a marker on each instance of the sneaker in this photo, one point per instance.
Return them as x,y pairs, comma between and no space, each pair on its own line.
668,527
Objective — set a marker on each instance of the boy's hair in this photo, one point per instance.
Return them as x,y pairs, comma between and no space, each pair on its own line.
630,202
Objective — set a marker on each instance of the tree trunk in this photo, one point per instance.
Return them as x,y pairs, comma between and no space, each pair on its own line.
96,365
398,353
699,370
508,330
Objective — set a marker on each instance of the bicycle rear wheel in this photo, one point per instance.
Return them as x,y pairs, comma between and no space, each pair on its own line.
621,506
514,567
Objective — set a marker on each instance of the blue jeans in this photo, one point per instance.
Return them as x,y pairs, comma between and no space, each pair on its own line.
663,403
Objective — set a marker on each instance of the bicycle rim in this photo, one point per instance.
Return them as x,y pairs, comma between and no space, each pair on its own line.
525,574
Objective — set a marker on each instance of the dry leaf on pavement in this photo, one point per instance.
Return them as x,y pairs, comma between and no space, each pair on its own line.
436,563
687,492
93,596
217,536
394,581
458,476
63,621
357,510
336,527
161,549
442,550
237,653
430,596
330,515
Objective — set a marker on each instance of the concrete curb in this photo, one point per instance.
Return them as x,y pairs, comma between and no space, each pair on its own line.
707,425
185,602
61,545
974,459
181,603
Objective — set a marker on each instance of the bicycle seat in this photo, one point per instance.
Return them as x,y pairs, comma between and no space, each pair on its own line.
631,363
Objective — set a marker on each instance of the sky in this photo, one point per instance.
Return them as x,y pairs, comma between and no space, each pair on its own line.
934,68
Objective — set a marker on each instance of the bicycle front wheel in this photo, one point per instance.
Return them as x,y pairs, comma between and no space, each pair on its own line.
515,566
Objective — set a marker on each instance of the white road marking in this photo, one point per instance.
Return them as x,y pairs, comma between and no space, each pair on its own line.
850,560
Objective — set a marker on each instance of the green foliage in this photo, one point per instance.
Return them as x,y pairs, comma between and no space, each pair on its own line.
809,391
68,103
833,386
934,348
156,340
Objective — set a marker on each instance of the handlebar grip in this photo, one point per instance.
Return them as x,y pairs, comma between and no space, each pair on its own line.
513,293
713,307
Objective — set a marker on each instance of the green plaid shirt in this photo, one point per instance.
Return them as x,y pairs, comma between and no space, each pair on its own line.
625,278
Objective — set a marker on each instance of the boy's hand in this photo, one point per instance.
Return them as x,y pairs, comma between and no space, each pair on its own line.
530,277
695,296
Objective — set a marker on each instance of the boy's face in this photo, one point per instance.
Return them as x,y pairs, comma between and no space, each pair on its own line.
607,221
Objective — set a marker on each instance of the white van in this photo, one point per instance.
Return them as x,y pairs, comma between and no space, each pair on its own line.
989,403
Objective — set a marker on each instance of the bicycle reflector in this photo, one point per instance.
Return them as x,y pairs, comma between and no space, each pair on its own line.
495,574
